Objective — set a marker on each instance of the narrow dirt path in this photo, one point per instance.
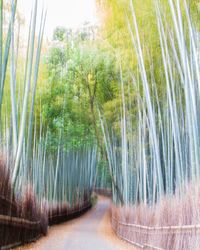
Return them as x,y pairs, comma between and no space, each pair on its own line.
89,232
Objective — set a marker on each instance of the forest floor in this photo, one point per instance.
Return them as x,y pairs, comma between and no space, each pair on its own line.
92,231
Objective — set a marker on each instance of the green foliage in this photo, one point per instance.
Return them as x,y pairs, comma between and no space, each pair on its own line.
103,176
60,34
79,76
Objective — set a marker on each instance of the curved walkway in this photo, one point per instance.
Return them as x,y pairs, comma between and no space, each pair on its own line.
92,231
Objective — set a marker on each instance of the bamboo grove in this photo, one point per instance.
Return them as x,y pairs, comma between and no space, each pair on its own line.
116,107
37,184
154,156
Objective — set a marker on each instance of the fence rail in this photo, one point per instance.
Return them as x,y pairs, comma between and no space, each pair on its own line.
172,229
14,221
132,232
70,214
